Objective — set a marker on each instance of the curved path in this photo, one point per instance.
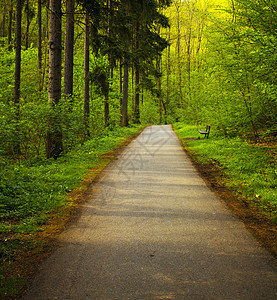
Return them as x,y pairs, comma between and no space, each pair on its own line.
153,230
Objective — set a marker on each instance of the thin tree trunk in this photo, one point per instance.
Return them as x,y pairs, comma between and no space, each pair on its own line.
18,52
45,35
54,144
39,46
137,80
10,47
27,26
168,73
107,106
17,70
106,102
69,48
124,111
120,83
178,49
137,110
86,73
159,87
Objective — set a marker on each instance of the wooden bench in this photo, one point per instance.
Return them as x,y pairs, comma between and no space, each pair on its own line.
206,132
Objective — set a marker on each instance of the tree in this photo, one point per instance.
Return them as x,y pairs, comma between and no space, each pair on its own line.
54,143
10,25
86,75
69,47
39,45
124,107
17,68
137,79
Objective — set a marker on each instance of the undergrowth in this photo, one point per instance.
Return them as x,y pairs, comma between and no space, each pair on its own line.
250,169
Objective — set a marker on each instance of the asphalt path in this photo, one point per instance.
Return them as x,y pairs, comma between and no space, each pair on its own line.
153,230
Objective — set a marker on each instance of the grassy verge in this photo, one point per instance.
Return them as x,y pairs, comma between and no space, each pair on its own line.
249,170
37,198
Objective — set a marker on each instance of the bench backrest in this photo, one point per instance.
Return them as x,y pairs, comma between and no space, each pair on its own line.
208,128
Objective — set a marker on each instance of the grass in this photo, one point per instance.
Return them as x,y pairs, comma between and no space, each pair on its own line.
250,169
35,191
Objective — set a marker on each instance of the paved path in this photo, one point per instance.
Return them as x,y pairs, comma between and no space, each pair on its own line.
153,230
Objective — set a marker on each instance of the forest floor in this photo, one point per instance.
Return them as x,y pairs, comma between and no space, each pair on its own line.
36,247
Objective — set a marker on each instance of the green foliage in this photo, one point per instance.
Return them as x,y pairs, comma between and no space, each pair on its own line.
33,188
10,286
250,169
227,69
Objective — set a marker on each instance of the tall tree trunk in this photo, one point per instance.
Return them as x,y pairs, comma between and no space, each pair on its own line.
18,52
39,46
178,49
124,110
159,87
27,26
137,80
10,47
107,106
54,144
17,69
86,73
45,34
106,102
137,94
168,73
120,83
69,48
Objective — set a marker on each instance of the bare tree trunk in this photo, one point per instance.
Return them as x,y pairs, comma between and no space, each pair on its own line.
27,26
178,49
54,144
179,67
107,107
120,82
86,73
39,46
69,48
106,102
124,110
159,87
168,73
137,94
137,80
45,34
10,47
18,52
17,69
